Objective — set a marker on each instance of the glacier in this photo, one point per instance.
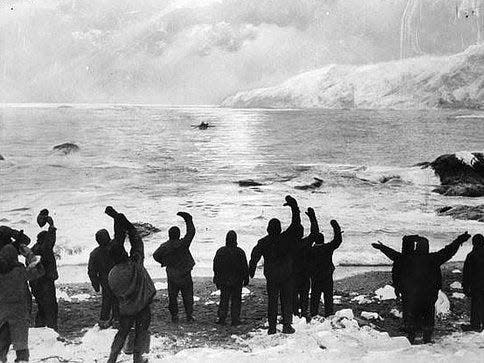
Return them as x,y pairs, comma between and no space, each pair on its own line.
451,81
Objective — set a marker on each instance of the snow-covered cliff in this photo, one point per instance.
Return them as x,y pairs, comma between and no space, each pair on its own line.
428,81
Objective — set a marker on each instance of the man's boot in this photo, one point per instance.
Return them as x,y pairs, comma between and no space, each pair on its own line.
272,330
288,329
138,358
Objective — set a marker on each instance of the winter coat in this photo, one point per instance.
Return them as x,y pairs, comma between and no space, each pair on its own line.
230,266
321,259
45,249
473,277
15,298
278,251
420,272
176,255
130,282
100,263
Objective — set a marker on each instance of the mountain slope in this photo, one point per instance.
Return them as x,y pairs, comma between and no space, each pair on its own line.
429,81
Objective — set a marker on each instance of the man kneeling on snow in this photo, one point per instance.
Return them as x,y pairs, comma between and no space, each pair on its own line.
132,286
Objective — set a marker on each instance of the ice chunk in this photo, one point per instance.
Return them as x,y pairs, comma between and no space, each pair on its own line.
396,313
196,298
361,299
344,314
209,302
161,285
245,291
458,295
442,305
456,271
370,315
386,293
456,285
215,293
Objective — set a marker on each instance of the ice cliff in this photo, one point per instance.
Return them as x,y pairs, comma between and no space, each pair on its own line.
455,81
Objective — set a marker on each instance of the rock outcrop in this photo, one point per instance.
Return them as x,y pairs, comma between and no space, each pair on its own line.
66,148
464,212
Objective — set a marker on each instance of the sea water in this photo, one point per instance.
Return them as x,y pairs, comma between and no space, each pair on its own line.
149,162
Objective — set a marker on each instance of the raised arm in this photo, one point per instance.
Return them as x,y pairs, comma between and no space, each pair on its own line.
255,257
187,240
295,230
387,251
446,253
337,235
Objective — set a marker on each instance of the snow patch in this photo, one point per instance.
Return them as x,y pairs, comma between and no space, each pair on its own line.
456,271
456,285
161,286
361,299
458,295
386,293
442,305
370,315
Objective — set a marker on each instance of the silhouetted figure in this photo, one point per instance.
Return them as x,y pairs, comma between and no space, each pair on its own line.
99,266
133,288
43,288
473,282
408,247
175,255
15,301
302,269
421,280
9,235
278,251
322,268
231,273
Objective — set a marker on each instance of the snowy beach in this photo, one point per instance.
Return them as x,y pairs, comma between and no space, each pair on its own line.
335,339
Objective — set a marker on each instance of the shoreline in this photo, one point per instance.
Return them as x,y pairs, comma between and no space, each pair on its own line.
76,316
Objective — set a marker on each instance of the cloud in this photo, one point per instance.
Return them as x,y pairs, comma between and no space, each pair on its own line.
187,51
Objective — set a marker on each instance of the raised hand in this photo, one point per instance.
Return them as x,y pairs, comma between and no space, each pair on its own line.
290,201
110,211
335,225
463,237
377,245
184,215
310,212
42,218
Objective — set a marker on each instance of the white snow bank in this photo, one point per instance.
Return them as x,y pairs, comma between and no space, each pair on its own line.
321,340
245,291
385,293
215,293
456,271
442,305
456,285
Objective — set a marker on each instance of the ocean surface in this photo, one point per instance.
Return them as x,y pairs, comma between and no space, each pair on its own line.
149,162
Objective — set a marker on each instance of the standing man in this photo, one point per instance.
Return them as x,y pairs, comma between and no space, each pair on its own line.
133,288
176,256
43,288
421,279
231,272
322,269
473,282
100,263
278,250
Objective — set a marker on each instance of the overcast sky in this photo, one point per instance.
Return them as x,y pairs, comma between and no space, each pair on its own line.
200,51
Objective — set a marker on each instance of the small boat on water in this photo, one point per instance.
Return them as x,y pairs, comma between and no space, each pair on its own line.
202,126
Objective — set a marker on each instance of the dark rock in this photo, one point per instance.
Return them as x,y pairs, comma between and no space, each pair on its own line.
249,183
461,174
461,190
386,179
314,185
1,158
145,229
67,148
465,212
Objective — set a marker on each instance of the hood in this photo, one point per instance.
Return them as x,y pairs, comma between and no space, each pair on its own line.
422,246
408,244
274,227
478,242
231,239
102,237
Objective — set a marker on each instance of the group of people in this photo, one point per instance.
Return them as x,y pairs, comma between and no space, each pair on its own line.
298,271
